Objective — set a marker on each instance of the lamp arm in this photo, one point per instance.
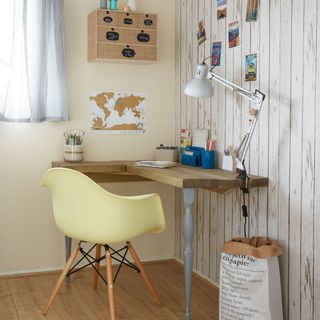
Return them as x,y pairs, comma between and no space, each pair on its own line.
257,99
242,91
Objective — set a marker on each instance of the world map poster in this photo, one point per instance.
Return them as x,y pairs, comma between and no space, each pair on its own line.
117,113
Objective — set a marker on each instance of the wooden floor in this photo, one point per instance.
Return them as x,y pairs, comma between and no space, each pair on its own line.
23,298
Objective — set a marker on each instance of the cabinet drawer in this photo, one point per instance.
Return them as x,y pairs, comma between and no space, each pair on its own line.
113,35
128,20
125,36
126,52
147,21
144,37
107,17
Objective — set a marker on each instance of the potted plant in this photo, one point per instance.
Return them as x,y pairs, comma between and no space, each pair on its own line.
73,148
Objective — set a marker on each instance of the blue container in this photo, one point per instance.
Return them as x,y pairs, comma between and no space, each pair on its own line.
113,5
208,159
103,4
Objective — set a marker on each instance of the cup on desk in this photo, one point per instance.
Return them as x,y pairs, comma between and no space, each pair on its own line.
208,159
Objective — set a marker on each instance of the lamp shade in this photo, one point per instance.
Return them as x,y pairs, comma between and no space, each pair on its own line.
200,86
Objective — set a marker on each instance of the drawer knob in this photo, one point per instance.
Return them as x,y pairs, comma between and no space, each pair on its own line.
148,22
128,52
127,21
143,37
112,35
107,19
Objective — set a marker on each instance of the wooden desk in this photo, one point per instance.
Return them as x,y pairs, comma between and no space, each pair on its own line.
184,177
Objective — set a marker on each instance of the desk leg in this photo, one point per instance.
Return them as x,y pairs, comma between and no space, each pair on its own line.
188,198
68,244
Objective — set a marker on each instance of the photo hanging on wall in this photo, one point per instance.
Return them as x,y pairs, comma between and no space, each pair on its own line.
221,9
251,67
234,33
252,11
201,33
216,54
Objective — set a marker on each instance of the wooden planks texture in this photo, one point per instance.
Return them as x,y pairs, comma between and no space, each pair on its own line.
286,144
23,297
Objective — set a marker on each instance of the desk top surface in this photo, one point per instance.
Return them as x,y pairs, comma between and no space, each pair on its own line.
180,176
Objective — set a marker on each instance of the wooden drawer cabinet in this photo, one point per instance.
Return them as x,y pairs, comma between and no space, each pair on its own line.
114,35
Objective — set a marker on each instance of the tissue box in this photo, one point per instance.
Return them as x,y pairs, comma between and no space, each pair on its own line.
167,154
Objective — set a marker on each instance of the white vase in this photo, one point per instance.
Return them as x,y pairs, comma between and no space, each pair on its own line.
132,5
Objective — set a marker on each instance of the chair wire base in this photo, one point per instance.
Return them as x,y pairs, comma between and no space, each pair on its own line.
116,255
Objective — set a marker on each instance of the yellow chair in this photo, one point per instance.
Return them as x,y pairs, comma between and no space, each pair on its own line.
85,211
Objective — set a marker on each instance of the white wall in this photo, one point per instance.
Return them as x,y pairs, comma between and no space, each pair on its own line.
285,146
29,239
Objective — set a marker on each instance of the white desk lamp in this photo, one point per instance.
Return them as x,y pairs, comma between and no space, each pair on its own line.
200,87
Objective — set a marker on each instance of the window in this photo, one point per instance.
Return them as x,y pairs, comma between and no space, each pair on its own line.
32,61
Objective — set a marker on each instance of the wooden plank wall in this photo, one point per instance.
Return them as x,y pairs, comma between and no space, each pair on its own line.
285,147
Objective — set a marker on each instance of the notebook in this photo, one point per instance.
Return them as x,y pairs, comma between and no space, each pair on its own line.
155,164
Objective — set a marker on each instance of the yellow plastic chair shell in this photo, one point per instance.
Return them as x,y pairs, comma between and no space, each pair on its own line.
83,210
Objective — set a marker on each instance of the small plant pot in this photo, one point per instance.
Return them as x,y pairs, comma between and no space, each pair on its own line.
73,148
73,153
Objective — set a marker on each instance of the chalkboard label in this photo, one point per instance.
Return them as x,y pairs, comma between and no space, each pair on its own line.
148,22
112,35
128,53
107,19
127,21
143,37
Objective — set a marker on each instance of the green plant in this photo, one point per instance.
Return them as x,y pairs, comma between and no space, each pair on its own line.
73,139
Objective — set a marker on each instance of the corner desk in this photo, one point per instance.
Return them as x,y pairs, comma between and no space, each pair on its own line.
181,176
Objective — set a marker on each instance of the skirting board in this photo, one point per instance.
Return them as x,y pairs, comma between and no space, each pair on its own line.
58,269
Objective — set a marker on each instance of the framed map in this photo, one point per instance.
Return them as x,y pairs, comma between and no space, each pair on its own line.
117,113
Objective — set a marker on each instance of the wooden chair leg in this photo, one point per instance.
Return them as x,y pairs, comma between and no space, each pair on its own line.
146,279
112,306
61,279
97,265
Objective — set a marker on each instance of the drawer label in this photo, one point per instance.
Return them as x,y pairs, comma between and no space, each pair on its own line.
128,53
148,22
107,19
143,37
112,35
127,21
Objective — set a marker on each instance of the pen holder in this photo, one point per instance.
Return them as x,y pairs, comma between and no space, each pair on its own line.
208,159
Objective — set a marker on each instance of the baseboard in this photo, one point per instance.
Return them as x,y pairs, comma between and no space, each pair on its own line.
58,269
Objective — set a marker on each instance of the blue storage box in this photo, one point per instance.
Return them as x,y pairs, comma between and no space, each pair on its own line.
192,160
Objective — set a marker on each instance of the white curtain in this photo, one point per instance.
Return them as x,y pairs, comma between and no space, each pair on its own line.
32,63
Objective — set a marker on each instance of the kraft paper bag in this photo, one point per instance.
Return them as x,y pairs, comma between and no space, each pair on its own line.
250,286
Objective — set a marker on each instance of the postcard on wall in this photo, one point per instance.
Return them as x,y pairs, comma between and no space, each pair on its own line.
234,33
221,9
117,112
201,32
216,54
251,67
252,10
